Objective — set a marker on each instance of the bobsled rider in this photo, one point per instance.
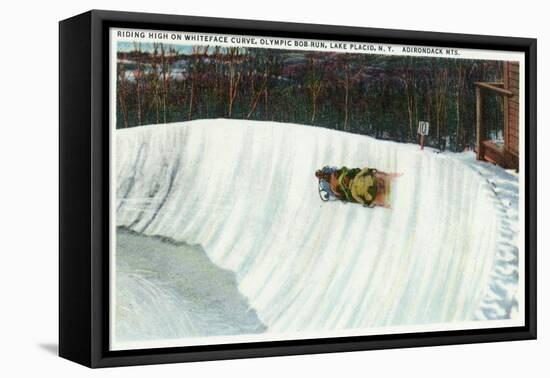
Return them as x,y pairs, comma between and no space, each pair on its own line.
367,186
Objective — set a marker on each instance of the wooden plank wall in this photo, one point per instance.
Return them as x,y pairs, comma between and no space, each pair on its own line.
511,82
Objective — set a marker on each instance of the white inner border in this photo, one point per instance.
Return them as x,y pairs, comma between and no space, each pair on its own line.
387,49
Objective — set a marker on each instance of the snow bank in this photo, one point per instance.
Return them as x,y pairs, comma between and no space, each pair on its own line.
246,192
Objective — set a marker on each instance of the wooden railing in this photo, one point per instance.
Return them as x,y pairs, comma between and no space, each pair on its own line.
497,88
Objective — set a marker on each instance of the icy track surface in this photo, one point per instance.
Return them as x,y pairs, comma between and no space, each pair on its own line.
246,192
172,290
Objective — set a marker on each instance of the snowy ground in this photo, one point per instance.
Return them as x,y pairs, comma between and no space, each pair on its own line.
246,193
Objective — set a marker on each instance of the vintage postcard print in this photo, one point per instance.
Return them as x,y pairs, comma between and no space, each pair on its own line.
268,189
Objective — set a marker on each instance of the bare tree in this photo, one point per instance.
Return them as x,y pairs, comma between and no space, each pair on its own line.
441,84
155,81
233,57
166,61
263,62
198,54
408,75
460,79
314,81
351,70
122,84
218,90
138,79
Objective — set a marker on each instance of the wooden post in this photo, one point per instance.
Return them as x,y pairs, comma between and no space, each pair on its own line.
506,99
479,123
423,130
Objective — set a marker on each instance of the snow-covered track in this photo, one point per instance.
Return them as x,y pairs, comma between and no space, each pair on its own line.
246,192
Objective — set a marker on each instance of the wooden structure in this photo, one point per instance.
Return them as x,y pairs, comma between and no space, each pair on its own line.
506,155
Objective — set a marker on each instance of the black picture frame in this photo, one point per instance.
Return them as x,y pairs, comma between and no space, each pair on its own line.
84,189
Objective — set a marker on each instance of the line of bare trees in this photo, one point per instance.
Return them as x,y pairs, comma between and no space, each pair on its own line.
383,96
